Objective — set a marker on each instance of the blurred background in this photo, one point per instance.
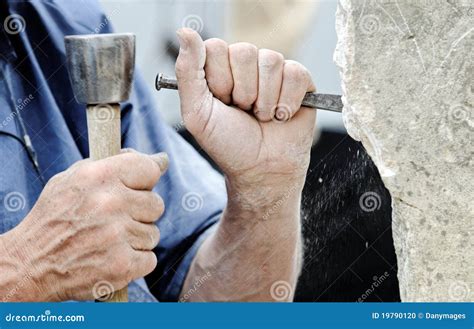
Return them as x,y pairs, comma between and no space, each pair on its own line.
348,250
301,30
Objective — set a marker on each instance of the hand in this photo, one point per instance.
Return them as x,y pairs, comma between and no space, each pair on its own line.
230,96
92,223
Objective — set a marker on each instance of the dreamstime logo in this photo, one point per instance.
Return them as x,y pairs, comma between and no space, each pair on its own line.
369,24
14,24
459,291
104,112
282,113
193,22
280,291
192,201
103,290
14,201
458,113
370,201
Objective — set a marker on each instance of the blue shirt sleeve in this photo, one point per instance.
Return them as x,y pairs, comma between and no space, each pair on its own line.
193,192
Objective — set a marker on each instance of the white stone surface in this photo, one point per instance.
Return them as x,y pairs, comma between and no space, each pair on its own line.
407,71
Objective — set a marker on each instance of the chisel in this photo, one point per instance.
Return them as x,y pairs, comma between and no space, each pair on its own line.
326,102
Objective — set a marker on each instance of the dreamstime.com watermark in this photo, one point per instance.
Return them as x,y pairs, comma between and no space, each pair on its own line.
19,106
17,289
375,284
197,284
279,203
47,316
105,21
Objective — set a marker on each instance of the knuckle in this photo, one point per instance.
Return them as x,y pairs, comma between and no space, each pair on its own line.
296,72
179,67
108,202
216,47
158,205
151,262
152,207
243,52
85,172
182,66
270,59
116,232
93,172
155,235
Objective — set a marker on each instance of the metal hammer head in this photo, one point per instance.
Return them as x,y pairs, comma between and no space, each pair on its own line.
101,66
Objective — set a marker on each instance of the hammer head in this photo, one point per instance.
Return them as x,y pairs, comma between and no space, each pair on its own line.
101,66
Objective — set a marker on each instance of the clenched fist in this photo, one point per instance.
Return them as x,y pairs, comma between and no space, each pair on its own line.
243,106
92,223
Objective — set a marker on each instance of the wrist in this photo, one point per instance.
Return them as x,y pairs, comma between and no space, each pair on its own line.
265,199
14,281
263,190
24,279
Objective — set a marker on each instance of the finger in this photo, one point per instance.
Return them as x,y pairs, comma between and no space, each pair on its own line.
142,236
296,82
243,58
217,68
144,206
194,94
270,76
144,262
137,170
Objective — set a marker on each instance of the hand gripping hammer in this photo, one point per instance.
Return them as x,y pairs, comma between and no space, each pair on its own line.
101,72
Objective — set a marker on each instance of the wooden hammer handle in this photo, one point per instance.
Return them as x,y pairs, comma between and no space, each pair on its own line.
103,127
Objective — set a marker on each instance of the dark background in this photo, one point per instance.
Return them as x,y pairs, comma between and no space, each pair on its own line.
349,254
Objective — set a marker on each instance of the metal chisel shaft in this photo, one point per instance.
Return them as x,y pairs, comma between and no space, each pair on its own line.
313,100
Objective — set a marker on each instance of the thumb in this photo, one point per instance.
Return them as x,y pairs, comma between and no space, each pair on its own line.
194,94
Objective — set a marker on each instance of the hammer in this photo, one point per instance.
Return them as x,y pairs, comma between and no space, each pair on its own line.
101,72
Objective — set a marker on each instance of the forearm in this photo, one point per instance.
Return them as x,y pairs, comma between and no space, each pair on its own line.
255,253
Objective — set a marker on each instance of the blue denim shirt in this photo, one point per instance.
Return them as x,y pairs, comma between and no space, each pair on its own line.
34,87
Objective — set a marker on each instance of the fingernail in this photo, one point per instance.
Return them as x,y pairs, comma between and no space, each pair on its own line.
162,160
182,40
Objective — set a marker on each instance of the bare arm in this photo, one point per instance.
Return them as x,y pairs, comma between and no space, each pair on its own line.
243,106
255,253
